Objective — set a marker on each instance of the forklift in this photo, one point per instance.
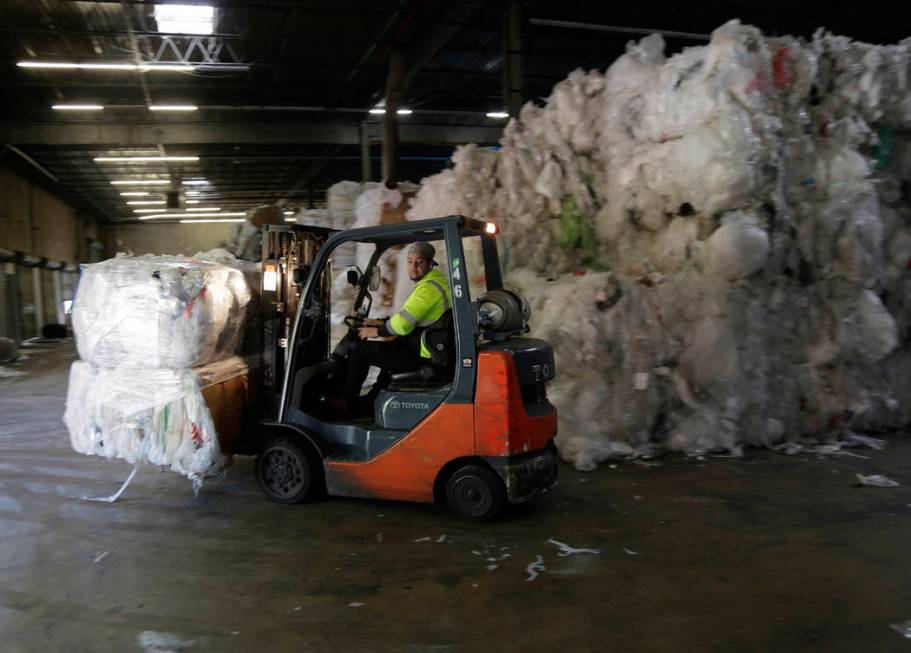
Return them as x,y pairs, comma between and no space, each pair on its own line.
472,428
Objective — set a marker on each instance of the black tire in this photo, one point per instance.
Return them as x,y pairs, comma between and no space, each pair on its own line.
286,470
476,493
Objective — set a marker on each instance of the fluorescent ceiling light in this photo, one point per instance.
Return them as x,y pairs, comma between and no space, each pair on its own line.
290,212
193,201
77,107
192,192
498,114
131,159
226,214
134,193
173,107
290,219
150,210
72,65
141,182
205,208
195,182
147,202
213,220
185,19
401,112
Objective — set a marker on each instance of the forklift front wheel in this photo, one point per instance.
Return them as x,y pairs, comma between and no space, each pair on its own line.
285,470
475,492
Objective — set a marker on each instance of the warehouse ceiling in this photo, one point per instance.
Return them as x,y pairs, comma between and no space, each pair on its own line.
282,89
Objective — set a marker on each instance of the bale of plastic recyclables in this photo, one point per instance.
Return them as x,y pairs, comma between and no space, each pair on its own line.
717,243
159,338
160,311
156,416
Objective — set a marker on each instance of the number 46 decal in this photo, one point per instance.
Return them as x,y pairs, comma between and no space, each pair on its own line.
456,276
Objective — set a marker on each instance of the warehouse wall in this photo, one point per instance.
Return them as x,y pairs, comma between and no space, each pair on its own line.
36,222
169,238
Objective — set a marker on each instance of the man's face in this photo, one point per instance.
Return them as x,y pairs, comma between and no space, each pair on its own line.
418,266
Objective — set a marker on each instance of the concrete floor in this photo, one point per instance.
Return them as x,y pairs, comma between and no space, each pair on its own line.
768,553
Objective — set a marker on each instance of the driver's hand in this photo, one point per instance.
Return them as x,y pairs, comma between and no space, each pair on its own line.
372,322
368,332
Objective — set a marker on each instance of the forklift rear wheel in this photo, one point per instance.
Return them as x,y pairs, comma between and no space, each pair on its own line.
285,470
475,492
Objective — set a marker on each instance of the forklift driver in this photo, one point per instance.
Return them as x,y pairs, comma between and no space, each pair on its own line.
428,301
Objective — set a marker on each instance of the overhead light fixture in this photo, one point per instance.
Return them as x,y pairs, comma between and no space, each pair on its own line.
141,182
134,193
142,67
185,19
379,111
173,107
77,107
213,220
150,210
226,214
289,212
136,159
147,202
205,208
290,219
192,192
195,182
500,115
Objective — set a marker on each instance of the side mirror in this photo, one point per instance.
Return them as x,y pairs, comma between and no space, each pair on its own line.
375,278
353,277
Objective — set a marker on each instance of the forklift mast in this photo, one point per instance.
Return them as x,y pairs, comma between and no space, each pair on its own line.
287,254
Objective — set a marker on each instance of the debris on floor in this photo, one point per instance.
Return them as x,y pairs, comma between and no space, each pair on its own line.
903,629
567,550
535,568
112,498
9,373
152,641
876,480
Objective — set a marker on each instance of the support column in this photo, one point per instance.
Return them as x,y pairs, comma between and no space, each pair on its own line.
394,88
58,296
38,299
513,85
365,152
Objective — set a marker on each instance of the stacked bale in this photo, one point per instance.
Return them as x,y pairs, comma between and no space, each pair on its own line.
157,336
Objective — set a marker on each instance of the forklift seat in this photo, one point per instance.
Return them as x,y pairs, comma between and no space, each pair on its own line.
423,374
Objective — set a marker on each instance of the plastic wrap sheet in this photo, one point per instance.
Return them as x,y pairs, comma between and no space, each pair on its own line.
157,416
160,311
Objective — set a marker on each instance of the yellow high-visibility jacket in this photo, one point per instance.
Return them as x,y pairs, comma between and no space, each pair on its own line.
425,305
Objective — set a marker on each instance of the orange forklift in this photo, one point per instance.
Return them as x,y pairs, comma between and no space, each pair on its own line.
473,428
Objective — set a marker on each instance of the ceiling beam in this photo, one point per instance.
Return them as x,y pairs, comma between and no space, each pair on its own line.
139,134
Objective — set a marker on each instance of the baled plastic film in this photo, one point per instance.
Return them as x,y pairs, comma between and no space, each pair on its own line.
160,311
155,416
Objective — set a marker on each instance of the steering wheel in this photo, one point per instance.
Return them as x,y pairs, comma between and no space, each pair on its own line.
353,322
